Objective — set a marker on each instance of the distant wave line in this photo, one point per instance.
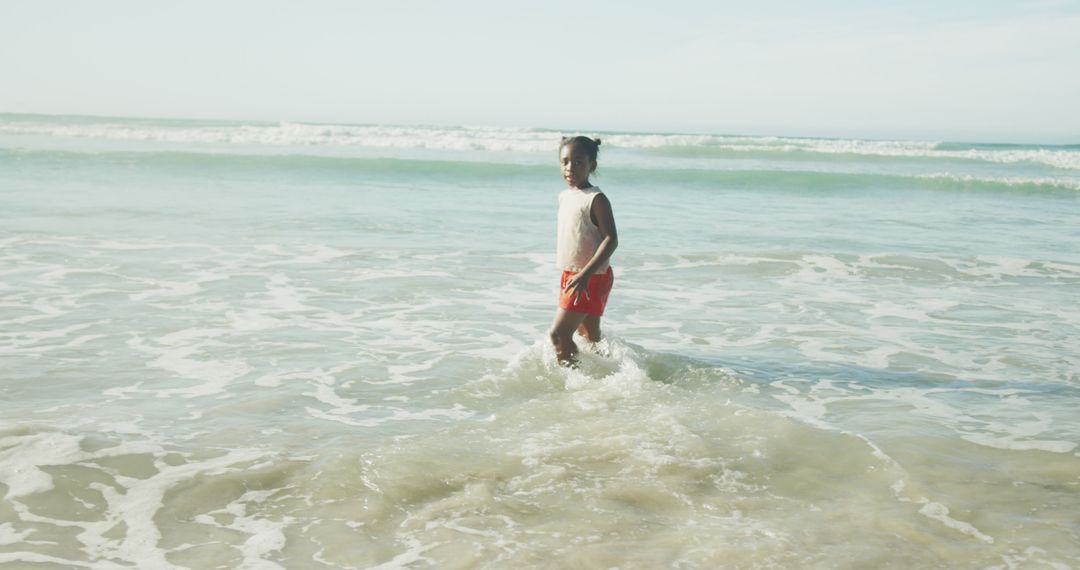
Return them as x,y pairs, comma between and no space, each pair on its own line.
336,166
525,140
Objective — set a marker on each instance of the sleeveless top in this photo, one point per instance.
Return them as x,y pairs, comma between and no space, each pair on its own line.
578,236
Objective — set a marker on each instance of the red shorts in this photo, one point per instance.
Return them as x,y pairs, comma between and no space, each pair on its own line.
594,303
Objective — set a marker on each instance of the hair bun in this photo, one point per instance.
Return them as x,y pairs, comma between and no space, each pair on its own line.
597,141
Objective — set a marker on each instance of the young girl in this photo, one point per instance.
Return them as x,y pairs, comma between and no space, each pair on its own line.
586,240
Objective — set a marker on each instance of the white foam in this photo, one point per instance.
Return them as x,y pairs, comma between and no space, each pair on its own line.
813,411
134,504
299,134
277,378
213,376
265,535
1019,435
325,393
940,512
45,309
8,534
33,342
400,373
1012,443
166,289
252,320
21,459
139,503
456,413
408,558
36,558
1058,158
1018,429
1071,184
515,139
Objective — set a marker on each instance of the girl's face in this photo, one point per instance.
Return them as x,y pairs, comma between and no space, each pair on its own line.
576,166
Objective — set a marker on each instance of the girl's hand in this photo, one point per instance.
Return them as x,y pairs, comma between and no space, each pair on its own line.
578,285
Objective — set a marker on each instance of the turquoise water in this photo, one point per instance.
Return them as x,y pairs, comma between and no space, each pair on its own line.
275,345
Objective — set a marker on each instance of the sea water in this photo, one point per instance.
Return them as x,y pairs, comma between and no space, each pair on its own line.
278,345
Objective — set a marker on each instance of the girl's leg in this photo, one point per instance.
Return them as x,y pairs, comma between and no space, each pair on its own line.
562,335
590,328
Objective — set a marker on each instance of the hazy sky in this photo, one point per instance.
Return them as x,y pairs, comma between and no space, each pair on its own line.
986,70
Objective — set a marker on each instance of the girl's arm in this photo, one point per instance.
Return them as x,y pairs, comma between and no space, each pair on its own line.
605,221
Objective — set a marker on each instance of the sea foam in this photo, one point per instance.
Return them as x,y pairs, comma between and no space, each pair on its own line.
524,140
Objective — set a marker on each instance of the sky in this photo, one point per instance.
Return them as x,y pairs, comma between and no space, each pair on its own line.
989,70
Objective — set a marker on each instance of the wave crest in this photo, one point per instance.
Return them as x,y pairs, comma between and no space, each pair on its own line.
526,140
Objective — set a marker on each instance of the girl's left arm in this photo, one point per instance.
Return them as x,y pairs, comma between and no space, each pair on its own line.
605,220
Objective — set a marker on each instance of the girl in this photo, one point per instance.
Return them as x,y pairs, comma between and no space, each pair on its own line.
586,240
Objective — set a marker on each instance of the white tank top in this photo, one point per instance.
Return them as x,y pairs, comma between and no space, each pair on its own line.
578,236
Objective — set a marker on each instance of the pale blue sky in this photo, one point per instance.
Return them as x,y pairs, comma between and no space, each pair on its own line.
990,70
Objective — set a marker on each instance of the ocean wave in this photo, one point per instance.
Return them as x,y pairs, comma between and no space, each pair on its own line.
1009,181
822,180
299,134
503,139
786,177
1065,157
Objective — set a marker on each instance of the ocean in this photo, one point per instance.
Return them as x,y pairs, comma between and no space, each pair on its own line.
267,345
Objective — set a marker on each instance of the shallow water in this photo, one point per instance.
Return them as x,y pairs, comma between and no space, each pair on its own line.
231,345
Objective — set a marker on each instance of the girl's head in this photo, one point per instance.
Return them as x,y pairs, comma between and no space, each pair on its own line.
577,157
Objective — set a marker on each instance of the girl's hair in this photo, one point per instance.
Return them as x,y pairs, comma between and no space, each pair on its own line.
590,146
